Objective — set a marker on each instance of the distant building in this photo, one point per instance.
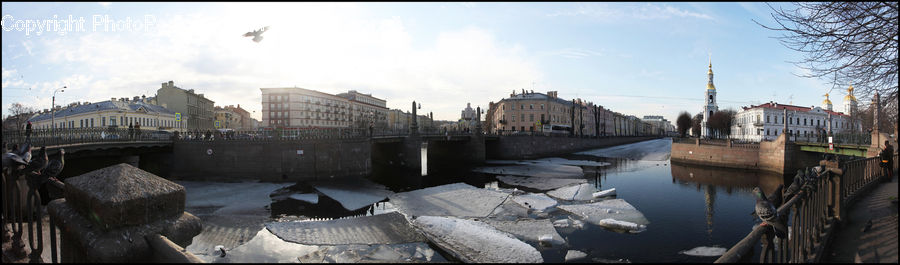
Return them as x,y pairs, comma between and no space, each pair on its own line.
299,107
112,113
468,113
243,117
197,112
766,122
226,118
711,105
659,125
530,111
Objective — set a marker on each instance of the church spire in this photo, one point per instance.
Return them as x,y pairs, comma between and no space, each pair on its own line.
709,84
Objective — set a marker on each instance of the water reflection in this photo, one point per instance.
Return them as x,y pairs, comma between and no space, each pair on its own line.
743,180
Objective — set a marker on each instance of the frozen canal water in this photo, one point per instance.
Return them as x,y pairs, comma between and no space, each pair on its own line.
682,209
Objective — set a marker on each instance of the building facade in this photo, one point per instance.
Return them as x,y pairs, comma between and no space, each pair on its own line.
243,116
197,112
226,119
766,122
115,113
304,108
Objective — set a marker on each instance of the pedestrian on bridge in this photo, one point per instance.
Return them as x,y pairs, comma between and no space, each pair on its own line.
887,160
28,132
137,129
130,130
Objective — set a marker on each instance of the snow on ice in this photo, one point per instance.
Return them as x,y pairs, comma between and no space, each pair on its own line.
604,193
580,192
457,199
354,194
539,183
575,255
476,242
543,170
538,202
307,197
530,230
704,251
389,228
617,209
241,198
563,161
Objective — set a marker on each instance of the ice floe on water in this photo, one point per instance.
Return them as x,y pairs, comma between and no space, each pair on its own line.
580,192
543,170
617,209
457,199
654,150
604,193
574,255
508,162
704,251
241,198
392,253
353,194
389,228
530,230
307,197
563,161
536,201
476,242
539,183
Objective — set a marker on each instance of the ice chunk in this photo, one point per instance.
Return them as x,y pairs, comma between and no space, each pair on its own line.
242,198
476,242
389,228
538,202
563,161
621,225
457,199
539,183
704,251
508,162
354,194
530,230
617,209
544,170
575,255
603,193
581,192
654,150
307,197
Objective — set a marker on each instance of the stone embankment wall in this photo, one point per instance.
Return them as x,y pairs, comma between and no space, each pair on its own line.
717,155
271,161
529,147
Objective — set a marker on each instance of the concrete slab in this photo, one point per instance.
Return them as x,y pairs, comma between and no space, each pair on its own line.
476,242
389,228
457,199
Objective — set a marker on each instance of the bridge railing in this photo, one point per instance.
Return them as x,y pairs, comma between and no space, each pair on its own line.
838,138
811,215
55,137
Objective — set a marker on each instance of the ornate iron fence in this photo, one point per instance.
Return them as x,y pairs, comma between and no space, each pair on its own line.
812,214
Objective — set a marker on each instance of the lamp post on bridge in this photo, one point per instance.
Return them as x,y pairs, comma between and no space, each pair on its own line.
53,111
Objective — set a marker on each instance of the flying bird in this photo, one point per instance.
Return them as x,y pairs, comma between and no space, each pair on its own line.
257,34
769,215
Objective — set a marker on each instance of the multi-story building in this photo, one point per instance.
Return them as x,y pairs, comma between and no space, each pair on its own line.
659,125
227,119
305,108
112,113
243,116
197,111
529,111
766,121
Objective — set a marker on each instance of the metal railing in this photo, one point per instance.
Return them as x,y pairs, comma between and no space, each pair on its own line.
46,137
812,214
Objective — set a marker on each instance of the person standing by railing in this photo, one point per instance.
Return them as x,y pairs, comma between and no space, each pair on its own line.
28,133
887,160
130,130
137,129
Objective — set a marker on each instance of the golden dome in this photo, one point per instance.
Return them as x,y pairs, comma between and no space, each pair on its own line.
826,101
850,96
710,86
710,69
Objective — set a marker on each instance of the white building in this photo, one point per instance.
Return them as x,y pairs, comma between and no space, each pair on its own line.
711,105
117,113
766,122
468,113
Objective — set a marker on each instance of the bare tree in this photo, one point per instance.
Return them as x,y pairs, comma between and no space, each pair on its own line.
19,115
696,124
848,43
720,122
683,122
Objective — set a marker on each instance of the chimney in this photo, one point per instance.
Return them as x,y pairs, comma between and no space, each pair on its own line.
136,98
112,99
171,84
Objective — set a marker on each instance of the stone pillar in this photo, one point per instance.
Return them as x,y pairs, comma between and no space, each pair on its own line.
475,146
107,213
414,125
784,120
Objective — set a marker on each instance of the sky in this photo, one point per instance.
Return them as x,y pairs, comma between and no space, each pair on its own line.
633,58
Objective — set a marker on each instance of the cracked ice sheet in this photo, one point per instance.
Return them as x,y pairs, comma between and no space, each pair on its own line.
654,150
457,199
617,209
476,242
241,198
539,183
580,192
307,197
544,170
563,161
354,194
536,201
704,251
389,228
529,230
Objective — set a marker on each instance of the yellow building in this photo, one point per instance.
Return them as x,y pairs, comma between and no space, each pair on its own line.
112,113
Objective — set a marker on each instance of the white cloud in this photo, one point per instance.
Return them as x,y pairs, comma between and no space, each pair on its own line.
328,47
618,11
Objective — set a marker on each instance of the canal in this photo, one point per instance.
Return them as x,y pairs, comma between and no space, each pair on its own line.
687,206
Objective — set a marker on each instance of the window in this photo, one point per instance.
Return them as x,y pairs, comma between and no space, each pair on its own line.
523,119
542,117
103,122
530,106
530,117
522,107
542,106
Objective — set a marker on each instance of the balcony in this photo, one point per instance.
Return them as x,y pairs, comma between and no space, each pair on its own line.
758,124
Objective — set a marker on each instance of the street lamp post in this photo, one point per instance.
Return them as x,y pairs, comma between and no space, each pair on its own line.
53,111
